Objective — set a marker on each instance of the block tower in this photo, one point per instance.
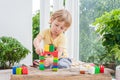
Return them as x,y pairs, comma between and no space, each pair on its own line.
49,49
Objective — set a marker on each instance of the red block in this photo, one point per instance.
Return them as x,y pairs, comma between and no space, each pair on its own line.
24,70
55,53
42,60
101,69
55,64
46,52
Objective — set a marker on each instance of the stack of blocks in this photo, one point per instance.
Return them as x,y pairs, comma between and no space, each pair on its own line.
49,49
20,70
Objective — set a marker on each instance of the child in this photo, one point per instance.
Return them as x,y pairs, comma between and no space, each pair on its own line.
60,21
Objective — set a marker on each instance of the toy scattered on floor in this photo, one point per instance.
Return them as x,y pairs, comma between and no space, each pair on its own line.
91,69
49,50
20,70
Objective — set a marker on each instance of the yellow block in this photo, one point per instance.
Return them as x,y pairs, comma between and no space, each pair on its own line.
46,48
41,62
55,58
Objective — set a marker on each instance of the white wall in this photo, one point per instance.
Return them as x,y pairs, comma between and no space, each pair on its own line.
16,21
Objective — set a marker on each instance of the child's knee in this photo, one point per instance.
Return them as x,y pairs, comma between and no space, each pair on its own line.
64,63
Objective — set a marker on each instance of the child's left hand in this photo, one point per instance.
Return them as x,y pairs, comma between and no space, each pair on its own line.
48,61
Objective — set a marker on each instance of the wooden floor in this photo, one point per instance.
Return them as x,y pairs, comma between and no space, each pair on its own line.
6,74
61,74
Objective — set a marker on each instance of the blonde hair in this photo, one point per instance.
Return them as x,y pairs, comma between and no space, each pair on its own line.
62,15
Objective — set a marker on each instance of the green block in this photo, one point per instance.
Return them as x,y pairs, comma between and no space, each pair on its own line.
19,71
97,70
55,61
55,69
41,67
51,48
41,57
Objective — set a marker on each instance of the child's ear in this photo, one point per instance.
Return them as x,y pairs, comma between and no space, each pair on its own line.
50,21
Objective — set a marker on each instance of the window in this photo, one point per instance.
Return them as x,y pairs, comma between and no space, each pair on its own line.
91,48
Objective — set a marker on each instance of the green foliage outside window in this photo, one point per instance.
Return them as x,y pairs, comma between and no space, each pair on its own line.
91,48
35,31
108,26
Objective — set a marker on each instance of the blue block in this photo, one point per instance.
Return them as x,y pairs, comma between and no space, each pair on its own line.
14,69
54,66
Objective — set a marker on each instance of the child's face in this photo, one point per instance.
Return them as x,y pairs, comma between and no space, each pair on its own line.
57,27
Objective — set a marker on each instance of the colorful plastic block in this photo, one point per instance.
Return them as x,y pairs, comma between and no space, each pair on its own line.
56,64
24,70
41,57
46,48
18,70
97,70
14,69
51,48
55,61
55,53
55,58
54,69
101,69
41,67
41,62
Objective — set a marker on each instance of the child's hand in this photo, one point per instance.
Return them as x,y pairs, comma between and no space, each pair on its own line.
39,51
48,61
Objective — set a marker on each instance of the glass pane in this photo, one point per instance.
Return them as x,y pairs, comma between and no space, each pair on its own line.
91,48
35,23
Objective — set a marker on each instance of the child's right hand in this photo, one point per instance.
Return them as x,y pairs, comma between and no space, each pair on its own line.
39,51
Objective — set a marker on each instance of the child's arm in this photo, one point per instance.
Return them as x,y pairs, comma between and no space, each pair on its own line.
61,47
60,51
36,44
